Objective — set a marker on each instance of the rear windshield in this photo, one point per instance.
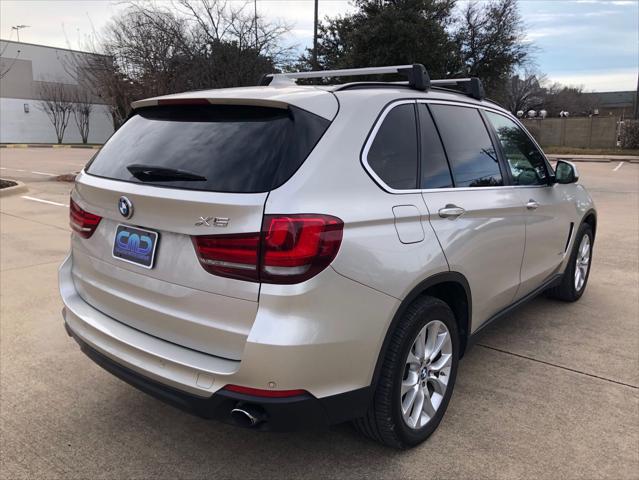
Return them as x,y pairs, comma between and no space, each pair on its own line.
220,148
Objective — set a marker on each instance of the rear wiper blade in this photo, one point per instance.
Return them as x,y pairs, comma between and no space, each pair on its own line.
151,173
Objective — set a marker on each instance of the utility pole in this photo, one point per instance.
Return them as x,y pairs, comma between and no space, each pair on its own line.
637,100
17,28
315,35
255,10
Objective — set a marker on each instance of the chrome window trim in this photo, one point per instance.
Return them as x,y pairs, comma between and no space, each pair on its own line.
371,139
390,106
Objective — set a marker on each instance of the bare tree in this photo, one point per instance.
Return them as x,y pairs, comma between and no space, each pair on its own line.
82,107
558,97
156,48
56,102
525,93
6,66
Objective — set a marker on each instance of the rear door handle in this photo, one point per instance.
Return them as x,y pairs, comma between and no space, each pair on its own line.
451,211
532,204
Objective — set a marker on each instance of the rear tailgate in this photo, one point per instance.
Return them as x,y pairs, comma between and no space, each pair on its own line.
176,300
232,158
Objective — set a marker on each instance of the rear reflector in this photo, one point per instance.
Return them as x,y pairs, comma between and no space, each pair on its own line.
290,249
82,222
258,392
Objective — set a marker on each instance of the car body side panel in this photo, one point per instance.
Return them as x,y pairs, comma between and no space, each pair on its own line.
547,230
485,244
332,181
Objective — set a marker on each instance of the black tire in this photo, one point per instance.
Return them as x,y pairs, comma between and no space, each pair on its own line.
566,290
383,421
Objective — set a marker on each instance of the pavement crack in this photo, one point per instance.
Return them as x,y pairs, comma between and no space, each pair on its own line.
558,366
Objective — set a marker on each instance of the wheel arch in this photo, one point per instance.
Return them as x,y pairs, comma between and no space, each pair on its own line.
450,287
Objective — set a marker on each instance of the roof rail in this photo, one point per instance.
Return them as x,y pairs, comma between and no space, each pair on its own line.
470,86
416,74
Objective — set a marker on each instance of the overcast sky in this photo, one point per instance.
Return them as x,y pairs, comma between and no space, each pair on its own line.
594,43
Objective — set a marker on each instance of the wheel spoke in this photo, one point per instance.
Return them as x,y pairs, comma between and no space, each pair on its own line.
420,399
412,360
409,382
427,405
431,341
444,361
439,384
408,401
435,342
420,344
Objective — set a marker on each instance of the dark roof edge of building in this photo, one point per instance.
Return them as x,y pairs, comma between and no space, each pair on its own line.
52,47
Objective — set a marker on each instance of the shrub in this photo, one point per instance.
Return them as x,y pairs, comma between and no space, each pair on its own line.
629,134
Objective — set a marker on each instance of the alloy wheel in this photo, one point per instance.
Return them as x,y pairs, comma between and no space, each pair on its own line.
582,263
426,373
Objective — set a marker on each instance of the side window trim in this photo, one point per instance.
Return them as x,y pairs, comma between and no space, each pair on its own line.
482,108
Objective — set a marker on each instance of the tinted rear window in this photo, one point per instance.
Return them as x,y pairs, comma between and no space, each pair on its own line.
240,149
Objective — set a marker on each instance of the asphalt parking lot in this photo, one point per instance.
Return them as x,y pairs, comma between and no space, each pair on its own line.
550,392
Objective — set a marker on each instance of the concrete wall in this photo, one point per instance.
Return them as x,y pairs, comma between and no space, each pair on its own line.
31,65
16,126
585,132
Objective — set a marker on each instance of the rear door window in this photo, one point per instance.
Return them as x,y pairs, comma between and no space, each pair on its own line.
434,167
470,151
221,148
393,153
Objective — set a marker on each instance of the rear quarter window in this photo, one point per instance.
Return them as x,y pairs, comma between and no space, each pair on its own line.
393,152
232,148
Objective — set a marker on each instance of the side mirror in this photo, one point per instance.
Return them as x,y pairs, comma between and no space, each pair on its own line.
566,172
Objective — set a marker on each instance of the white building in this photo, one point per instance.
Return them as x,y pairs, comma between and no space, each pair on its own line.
23,67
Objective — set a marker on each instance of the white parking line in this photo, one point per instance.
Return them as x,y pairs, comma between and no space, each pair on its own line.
33,199
45,173
618,167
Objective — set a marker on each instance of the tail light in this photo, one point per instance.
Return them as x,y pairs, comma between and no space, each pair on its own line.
289,249
82,222
233,256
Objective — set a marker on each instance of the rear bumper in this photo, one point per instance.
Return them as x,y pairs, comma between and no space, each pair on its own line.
327,354
301,412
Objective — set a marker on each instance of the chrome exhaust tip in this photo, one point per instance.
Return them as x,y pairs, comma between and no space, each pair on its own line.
247,415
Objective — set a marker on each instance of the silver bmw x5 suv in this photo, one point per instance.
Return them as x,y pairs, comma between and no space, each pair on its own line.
289,256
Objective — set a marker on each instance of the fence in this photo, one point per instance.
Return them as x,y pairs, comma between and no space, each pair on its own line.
586,132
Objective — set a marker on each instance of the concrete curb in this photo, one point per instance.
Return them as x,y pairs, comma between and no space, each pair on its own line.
597,159
573,159
47,145
19,188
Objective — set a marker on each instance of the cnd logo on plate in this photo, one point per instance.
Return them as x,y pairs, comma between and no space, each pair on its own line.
137,245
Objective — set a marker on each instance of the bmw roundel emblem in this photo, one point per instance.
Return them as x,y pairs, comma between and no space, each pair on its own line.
125,207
